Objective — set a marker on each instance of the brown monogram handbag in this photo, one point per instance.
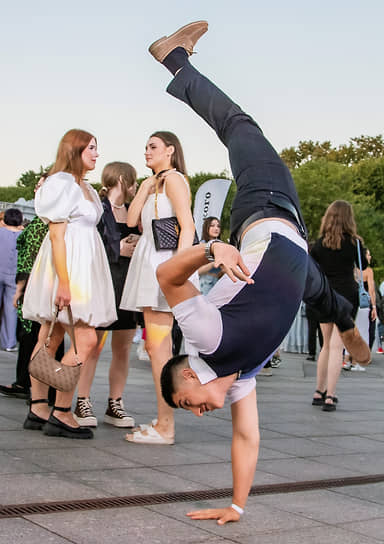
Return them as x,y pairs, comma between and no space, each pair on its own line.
46,369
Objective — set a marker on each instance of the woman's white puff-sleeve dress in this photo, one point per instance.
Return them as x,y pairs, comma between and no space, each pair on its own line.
92,297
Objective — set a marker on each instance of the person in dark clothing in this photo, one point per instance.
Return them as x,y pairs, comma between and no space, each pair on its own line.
232,332
28,245
336,253
314,331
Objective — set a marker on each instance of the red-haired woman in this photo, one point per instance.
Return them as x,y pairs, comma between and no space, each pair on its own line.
71,268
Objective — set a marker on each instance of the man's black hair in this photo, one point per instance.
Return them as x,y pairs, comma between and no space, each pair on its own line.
166,379
13,217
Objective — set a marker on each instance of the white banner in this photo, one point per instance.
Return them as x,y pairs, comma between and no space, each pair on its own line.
209,201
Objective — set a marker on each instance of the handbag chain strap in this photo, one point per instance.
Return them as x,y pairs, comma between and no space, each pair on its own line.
361,281
157,189
71,330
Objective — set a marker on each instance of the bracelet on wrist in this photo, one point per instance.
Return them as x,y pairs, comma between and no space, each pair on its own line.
208,252
237,509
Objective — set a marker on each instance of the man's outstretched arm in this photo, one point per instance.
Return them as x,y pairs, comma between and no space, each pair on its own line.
245,449
173,274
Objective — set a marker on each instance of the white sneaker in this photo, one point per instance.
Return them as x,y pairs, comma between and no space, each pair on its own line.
83,413
141,352
358,368
137,337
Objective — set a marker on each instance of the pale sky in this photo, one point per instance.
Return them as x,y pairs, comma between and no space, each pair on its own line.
304,70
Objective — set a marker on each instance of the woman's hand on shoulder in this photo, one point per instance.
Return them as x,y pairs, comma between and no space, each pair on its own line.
149,184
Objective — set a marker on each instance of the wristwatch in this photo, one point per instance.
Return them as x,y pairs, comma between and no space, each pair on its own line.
208,252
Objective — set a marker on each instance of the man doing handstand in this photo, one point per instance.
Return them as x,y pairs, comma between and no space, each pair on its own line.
231,333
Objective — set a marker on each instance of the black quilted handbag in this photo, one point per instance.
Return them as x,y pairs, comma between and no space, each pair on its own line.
166,231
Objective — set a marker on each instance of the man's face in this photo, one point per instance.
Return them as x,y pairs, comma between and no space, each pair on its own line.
192,395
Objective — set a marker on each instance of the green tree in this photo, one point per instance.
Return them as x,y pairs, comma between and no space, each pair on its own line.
11,194
359,148
28,181
368,181
320,182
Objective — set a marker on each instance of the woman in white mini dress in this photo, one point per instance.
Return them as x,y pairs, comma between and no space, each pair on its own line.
164,155
70,268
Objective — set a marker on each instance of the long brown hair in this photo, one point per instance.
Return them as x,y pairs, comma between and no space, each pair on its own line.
206,225
114,172
68,158
177,158
338,221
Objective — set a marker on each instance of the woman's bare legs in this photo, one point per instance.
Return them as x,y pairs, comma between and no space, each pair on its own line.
88,370
40,390
330,361
335,363
86,341
322,361
158,326
118,371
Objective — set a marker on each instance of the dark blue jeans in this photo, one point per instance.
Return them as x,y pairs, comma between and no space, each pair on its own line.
259,173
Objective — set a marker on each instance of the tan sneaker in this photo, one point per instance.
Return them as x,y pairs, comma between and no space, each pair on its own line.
356,347
185,37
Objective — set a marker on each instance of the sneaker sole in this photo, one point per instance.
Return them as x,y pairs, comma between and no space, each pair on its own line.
126,423
85,421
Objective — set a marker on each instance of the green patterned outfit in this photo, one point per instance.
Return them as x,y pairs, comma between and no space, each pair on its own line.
28,245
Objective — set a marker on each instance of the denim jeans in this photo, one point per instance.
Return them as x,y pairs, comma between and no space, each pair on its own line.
8,319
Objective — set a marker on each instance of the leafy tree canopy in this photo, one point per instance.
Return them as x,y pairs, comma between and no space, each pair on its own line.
322,173
358,149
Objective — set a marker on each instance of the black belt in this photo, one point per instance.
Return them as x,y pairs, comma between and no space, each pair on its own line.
279,201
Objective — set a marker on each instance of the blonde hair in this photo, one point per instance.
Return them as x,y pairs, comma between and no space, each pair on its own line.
114,172
338,221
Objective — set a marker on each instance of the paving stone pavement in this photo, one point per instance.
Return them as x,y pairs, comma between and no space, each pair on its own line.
298,442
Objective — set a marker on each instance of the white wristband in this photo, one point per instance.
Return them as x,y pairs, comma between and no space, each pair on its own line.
238,509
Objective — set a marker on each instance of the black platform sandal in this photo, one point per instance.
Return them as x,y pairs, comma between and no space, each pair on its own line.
55,427
320,401
328,407
34,422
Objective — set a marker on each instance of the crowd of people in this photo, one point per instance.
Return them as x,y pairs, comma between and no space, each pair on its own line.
96,255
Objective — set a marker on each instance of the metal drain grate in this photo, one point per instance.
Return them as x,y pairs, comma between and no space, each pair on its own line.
19,510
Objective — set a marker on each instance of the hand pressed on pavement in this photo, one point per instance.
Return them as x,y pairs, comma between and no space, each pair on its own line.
223,515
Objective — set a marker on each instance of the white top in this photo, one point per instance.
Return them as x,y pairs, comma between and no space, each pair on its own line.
61,199
141,288
200,319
